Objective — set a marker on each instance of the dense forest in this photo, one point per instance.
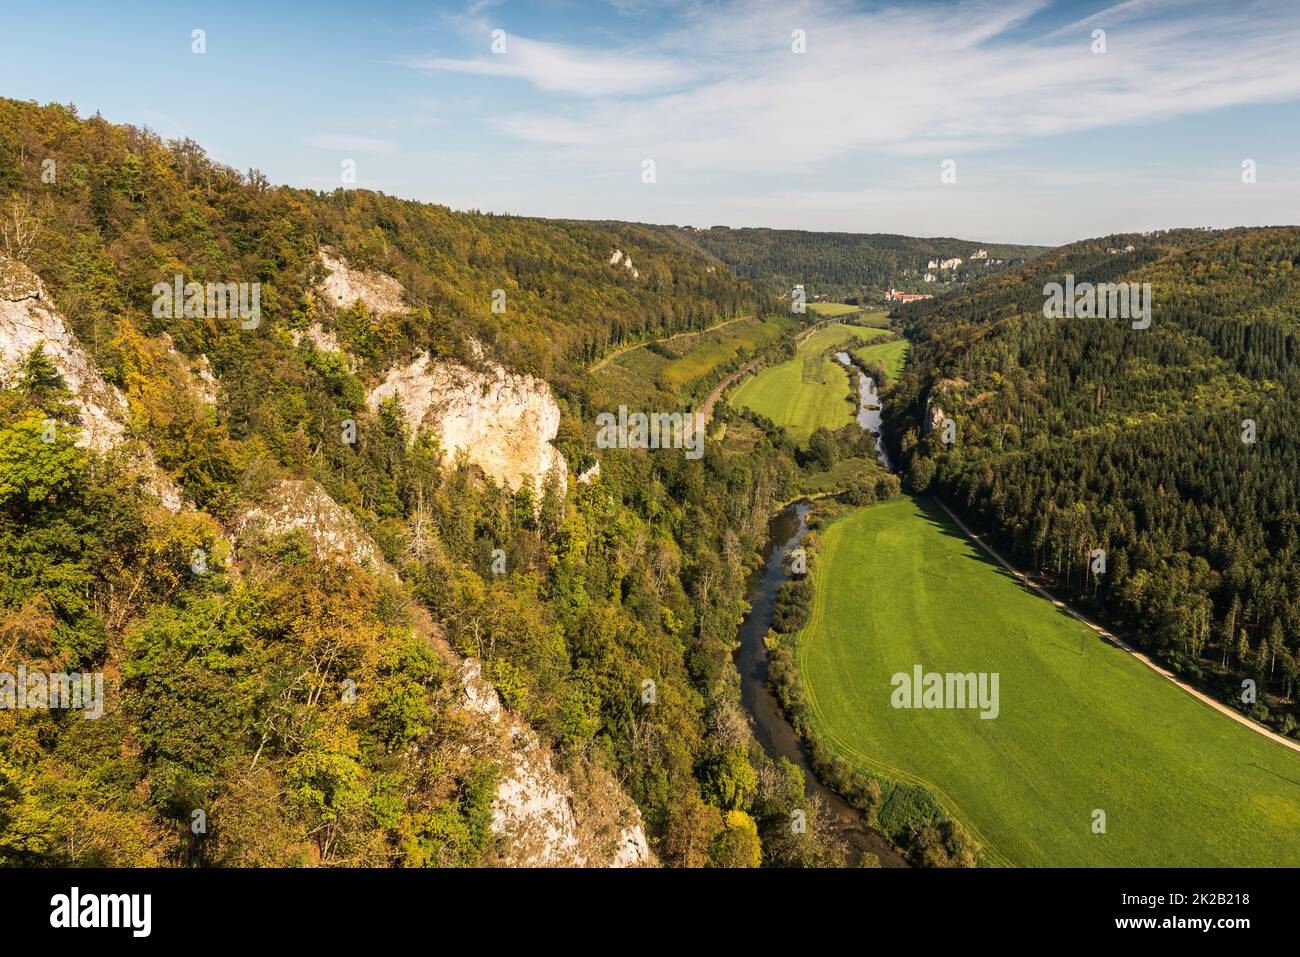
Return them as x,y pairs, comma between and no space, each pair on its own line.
1148,473
854,267
222,688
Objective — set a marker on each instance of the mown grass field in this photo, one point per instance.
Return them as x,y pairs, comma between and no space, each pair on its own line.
796,401
891,355
1082,726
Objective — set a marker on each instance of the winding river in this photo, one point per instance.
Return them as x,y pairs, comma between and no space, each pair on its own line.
869,408
778,738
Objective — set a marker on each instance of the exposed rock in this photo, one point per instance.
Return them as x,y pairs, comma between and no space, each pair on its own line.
503,422
633,849
29,318
590,475
322,338
196,373
345,285
618,258
543,819
480,696
332,531
939,392
545,823
934,415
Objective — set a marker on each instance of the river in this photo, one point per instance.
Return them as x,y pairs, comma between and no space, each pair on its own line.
771,729
869,407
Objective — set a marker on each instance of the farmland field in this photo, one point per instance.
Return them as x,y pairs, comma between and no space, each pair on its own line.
833,308
891,355
647,378
808,391
1082,725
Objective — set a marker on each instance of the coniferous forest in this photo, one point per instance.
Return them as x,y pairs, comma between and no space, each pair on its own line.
1172,449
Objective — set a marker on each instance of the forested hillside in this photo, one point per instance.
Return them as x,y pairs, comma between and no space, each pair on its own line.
1174,448
849,266
225,673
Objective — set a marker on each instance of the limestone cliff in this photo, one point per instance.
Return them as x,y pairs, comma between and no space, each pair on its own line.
502,421
344,285
544,817
332,532
29,318
536,809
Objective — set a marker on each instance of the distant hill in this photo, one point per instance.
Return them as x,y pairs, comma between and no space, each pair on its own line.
851,266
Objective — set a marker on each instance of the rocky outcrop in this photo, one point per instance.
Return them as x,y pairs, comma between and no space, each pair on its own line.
536,810
945,390
195,374
320,337
617,258
332,531
343,286
29,318
544,817
502,422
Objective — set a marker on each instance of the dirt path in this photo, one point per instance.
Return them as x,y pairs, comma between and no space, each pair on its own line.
624,350
1120,642
712,398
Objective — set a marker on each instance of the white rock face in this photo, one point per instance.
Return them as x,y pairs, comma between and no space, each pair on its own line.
504,422
617,258
590,475
28,318
331,530
633,850
534,806
322,338
345,285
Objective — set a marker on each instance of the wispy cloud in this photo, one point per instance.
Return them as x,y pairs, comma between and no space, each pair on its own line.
580,71
348,143
721,90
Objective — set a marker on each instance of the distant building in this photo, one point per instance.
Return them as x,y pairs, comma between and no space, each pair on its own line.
896,295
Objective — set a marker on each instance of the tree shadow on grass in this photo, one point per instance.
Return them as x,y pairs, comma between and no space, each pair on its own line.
939,519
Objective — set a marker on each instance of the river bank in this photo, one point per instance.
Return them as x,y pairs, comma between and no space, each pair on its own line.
776,735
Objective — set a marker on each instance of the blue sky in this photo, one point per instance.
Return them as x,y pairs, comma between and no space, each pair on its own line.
1052,141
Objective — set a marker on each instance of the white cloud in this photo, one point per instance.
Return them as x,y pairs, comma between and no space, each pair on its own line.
580,71
722,91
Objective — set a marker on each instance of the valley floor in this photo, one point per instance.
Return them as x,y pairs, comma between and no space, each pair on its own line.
1082,726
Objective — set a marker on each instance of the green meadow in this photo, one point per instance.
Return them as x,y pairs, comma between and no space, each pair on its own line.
1082,726
889,355
809,391
832,308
